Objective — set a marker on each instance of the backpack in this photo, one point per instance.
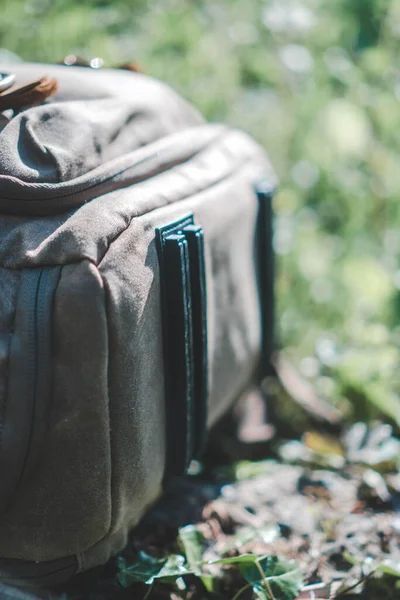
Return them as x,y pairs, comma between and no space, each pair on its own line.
136,304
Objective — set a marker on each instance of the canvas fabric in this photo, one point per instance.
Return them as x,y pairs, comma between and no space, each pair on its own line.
84,181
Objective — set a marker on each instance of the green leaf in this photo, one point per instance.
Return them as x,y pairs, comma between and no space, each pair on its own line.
272,577
173,569
267,574
192,540
243,559
390,568
247,469
209,582
193,543
351,559
147,568
143,570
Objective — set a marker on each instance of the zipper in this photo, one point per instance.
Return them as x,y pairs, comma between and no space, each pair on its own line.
29,384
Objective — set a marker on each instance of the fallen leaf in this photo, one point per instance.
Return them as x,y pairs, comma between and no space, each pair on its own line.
323,444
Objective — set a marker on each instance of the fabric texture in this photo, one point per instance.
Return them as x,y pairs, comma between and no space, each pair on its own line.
101,461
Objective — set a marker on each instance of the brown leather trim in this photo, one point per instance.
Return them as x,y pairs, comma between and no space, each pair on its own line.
30,94
131,67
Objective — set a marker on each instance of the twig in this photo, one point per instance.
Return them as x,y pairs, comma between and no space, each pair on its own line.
147,594
269,589
351,587
265,580
243,589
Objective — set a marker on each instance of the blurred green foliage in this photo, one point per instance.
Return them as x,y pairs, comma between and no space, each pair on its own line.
318,84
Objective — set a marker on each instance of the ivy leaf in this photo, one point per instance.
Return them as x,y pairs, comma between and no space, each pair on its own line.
143,570
192,540
173,569
272,577
147,568
269,576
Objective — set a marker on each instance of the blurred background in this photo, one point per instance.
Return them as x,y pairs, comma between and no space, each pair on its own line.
317,82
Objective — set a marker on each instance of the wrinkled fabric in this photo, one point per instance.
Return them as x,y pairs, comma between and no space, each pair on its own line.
111,114
102,459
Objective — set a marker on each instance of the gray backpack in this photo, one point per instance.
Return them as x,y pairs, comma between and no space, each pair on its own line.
135,305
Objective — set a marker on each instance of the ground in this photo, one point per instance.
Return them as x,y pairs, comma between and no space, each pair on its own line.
317,519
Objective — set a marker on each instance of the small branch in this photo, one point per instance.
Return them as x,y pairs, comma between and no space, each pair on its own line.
351,587
265,581
147,594
240,592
